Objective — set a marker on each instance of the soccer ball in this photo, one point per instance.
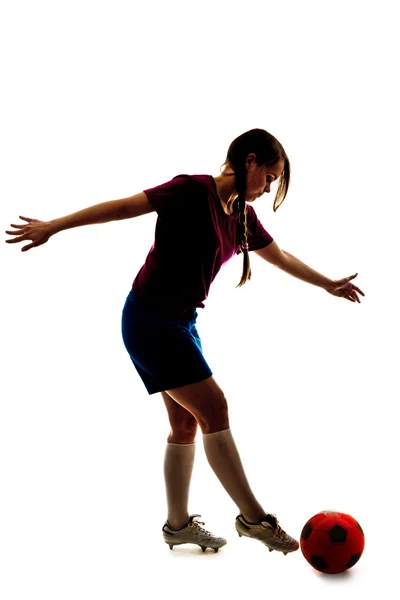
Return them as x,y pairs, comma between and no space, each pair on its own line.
332,542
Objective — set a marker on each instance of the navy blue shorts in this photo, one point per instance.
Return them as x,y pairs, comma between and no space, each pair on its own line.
165,350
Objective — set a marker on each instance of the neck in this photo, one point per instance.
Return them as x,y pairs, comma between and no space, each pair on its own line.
227,193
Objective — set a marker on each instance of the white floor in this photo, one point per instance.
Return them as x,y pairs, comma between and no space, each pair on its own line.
96,534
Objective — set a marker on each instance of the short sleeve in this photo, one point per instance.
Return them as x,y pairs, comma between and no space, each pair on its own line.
172,197
257,236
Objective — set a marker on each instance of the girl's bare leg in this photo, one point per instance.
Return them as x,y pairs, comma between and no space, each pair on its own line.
206,402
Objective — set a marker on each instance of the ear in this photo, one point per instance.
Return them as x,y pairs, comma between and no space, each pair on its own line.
250,160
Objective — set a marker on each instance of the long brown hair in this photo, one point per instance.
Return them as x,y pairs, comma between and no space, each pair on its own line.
268,151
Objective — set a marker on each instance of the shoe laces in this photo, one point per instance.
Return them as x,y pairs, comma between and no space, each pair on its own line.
197,525
272,520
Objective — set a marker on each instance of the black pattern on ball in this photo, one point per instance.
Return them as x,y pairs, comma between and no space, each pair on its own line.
318,562
337,534
306,531
355,558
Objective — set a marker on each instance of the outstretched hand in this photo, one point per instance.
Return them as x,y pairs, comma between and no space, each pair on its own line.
345,289
37,231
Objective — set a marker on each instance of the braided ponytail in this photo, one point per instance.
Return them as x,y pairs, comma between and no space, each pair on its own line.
268,151
241,231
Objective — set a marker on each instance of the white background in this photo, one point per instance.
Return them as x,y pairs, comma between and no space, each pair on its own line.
102,100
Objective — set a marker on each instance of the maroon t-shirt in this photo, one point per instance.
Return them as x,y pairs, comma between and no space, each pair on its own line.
194,237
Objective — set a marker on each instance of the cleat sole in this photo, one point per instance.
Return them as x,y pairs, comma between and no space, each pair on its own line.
204,548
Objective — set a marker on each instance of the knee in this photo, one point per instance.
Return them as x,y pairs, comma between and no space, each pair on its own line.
215,416
183,432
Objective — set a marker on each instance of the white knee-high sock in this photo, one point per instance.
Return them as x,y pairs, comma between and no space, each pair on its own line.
178,467
224,459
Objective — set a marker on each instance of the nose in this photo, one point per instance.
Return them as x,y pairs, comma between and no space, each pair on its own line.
267,188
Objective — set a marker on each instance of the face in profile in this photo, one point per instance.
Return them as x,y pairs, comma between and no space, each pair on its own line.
260,179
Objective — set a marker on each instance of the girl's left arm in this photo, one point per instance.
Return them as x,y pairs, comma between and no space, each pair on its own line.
295,267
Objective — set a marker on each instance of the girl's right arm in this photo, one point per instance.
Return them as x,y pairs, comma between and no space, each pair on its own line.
40,231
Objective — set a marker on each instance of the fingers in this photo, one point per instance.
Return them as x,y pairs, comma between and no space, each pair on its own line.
16,239
349,292
28,247
23,232
18,227
14,232
352,296
358,290
19,231
354,290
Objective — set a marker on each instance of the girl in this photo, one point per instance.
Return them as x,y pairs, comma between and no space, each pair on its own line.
202,222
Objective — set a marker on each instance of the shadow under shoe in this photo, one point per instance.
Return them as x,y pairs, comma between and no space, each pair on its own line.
268,532
192,533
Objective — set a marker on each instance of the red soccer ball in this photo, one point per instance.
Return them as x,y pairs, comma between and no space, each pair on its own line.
332,542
